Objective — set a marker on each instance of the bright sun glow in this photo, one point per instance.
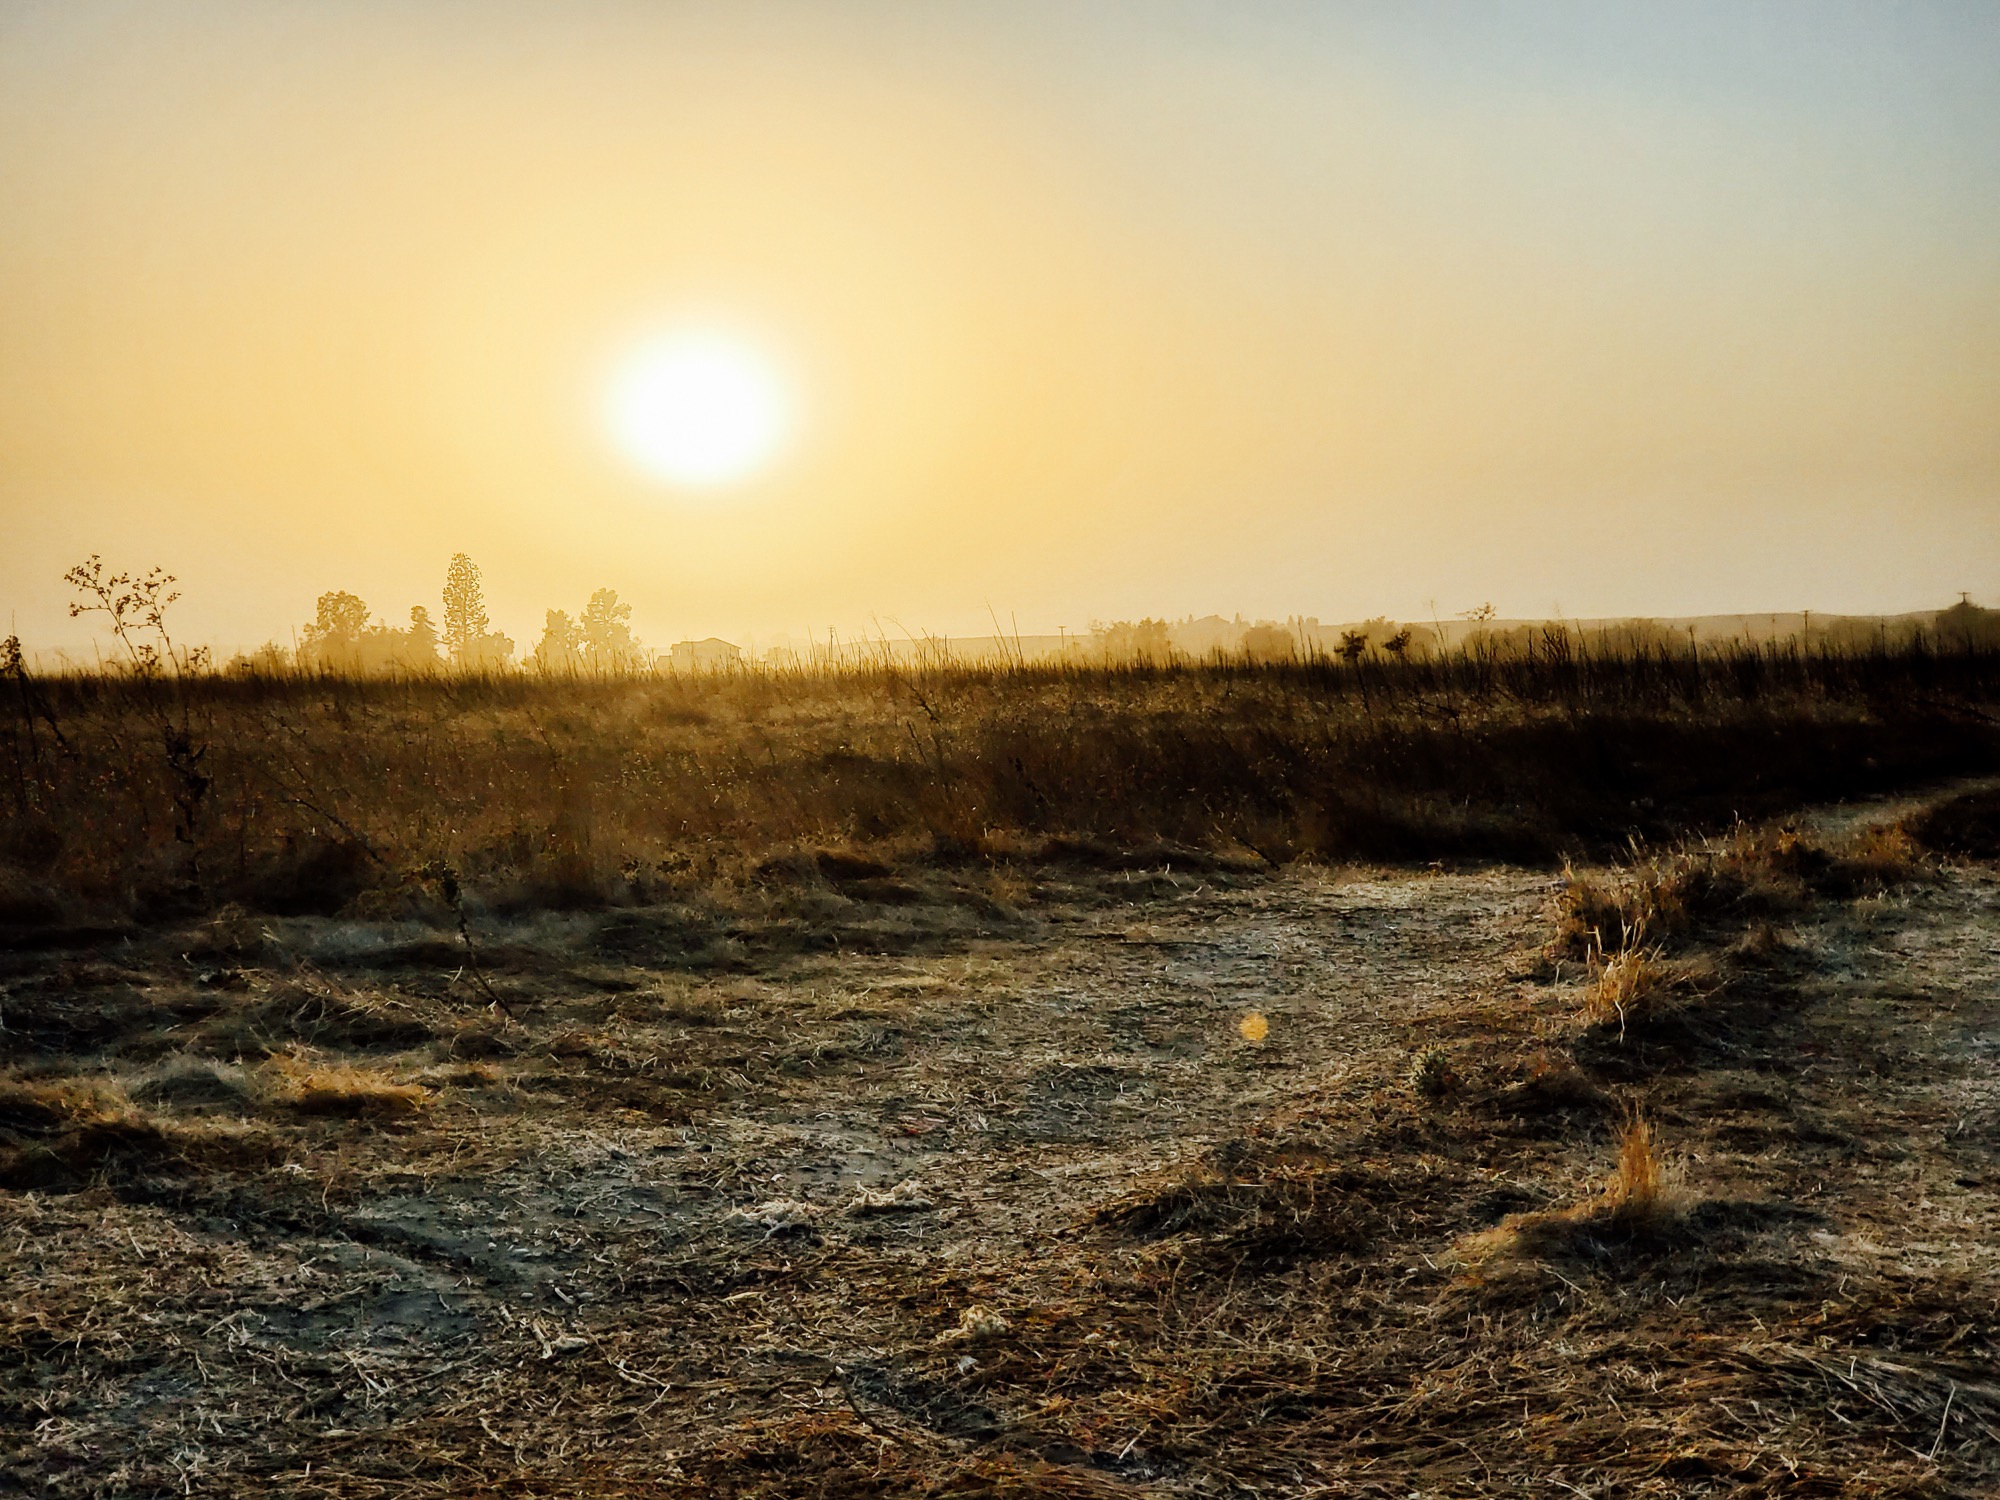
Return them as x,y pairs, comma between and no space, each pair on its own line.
698,409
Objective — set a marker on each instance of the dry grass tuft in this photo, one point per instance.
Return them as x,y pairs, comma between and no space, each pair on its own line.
1967,826
1674,897
31,1107
1634,1206
309,1087
1663,897
60,1135
193,1083
1629,987
1634,1193
1253,1204
691,1007
1883,856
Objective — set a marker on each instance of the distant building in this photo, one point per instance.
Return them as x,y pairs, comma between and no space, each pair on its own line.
704,656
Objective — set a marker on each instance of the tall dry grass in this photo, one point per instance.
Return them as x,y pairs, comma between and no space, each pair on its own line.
324,792
1622,920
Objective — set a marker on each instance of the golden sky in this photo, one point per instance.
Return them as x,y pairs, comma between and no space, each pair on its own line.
1091,310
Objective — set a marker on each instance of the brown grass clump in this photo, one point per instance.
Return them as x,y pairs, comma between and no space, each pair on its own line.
59,1135
193,1083
1634,1204
1677,896
1968,826
1778,868
1633,1194
31,1107
1253,1203
1629,987
1663,897
317,1088
691,1007
1883,856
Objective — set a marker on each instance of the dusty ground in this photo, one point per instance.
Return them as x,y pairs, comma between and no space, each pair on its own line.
875,1193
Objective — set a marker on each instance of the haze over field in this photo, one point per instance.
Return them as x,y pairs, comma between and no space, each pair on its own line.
1073,312
812,749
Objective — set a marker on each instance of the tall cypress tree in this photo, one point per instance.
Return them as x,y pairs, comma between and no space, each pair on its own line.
465,622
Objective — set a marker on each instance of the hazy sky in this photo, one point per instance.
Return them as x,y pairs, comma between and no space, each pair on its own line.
1090,309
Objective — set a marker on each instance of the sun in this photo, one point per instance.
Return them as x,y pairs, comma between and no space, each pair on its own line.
698,409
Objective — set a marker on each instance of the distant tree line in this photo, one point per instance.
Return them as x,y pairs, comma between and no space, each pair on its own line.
1965,626
1151,640
601,641
597,640
344,638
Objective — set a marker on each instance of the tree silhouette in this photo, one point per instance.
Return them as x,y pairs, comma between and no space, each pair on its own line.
465,621
423,640
333,640
607,633
562,641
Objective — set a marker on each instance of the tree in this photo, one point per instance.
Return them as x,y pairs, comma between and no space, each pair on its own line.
562,642
268,660
1266,643
607,633
492,652
422,643
465,620
1966,627
1125,641
334,637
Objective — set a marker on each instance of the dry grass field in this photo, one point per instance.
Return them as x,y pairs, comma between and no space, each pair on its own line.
1203,1082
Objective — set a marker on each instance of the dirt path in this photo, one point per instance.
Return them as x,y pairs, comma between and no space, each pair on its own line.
1034,1214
